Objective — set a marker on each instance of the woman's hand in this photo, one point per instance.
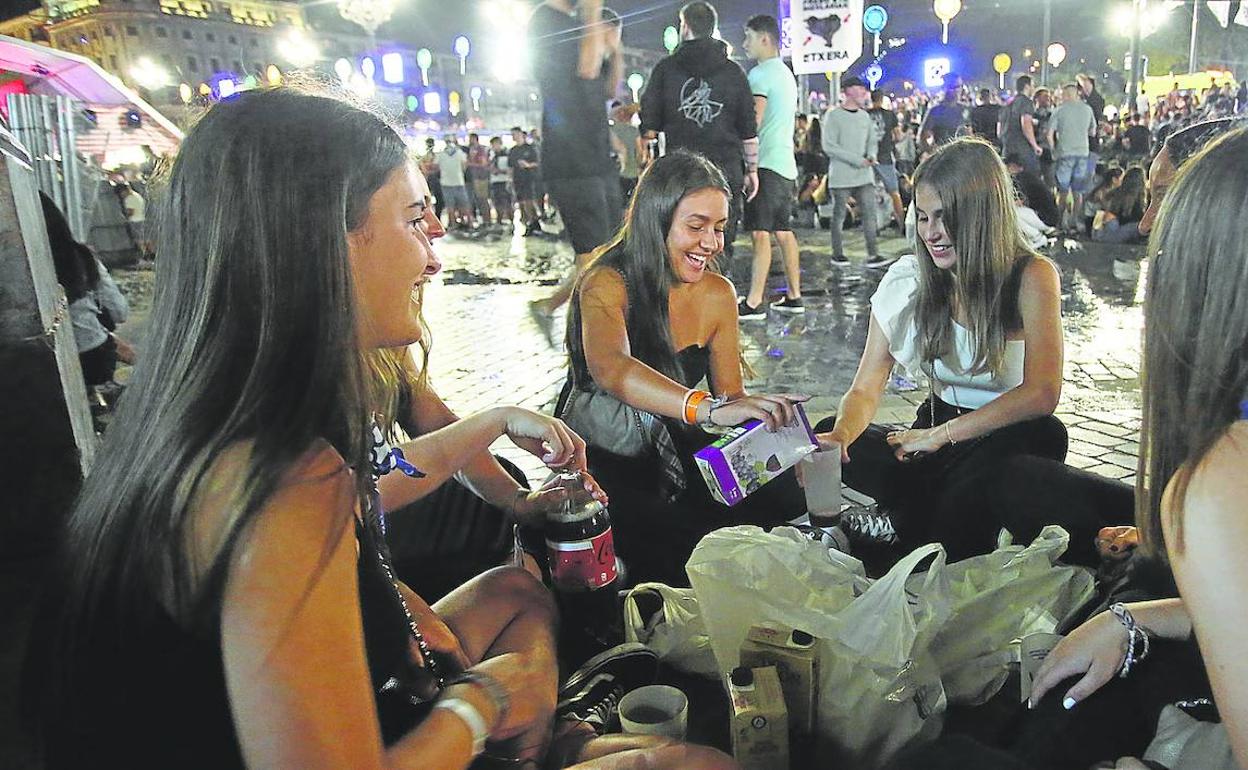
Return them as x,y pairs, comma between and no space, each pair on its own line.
544,437
530,509
530,696
125,351
916,442
774,411
1095,649
835,439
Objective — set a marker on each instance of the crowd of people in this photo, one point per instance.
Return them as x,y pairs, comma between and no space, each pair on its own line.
291,552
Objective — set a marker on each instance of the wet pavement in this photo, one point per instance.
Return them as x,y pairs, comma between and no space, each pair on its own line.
487,350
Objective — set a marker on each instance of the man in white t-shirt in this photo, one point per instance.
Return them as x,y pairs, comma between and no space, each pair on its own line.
135,209
453,160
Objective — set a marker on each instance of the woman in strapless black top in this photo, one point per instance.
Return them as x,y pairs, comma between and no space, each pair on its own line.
649,322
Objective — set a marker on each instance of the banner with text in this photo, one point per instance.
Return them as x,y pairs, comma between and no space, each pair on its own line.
827,35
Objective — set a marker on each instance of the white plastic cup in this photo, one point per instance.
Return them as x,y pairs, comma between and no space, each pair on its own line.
656,709
821,480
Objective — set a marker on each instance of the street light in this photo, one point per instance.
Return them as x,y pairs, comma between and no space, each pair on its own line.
1056,54
874,73
1001,65
368,67
474,93
185,93
343,69
671,38
945,11
462,47
873,20
635,82
424,59
296,48
274,75
149,74
392,67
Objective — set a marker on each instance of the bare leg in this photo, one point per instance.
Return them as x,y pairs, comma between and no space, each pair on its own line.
760,268
898,210
506,611
792,262
564,292
645,752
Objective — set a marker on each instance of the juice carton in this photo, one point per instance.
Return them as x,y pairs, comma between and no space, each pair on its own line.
760,722
747,457
796,658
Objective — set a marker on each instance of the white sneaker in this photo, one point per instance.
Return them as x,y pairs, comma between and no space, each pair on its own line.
871,525
880,261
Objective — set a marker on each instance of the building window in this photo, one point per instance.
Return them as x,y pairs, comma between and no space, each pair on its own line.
238,66
212,37
215,63
132,31
192,64
162,32
188,35
112,60
254,43
108,30
233,39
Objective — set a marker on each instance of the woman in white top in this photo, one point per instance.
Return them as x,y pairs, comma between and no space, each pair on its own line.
977,312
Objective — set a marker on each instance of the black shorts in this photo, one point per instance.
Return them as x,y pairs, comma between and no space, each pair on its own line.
591,208
525,186
769,211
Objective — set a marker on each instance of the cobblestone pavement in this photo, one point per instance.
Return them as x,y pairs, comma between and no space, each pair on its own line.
487,350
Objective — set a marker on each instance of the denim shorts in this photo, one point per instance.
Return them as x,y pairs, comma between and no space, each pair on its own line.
887,174
1071,172
455,197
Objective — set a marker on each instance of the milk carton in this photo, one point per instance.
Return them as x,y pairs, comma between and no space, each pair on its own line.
796,658
760,722
747,457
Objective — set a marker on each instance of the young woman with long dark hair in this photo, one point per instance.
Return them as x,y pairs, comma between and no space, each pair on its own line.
1191,483
1118,221
225,597
976,312
649,321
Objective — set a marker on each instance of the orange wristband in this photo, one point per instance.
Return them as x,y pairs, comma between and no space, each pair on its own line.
692,399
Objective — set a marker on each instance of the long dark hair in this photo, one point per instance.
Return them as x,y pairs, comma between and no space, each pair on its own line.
253,344
638,252
1126,201
1195,330
977,200
76,269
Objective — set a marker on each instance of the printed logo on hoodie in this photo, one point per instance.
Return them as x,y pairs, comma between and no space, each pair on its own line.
696,103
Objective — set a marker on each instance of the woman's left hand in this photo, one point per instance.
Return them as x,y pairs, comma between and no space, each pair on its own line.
531,509
437,634
916,442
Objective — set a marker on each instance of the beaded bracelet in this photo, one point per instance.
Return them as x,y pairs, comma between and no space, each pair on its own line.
1135,634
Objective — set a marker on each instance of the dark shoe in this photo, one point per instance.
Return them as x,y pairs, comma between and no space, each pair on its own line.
747,313
877,262
592,694
872,525
791,305
840,259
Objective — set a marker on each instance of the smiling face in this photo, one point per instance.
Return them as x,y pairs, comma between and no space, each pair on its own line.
697,233
392,257
932,230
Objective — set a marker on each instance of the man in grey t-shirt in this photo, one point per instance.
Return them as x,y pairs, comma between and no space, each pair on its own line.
851,142
1070,127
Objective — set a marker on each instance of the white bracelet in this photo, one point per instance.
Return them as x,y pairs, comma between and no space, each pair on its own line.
471,718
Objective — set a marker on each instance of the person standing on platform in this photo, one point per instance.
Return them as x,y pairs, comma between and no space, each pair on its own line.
775,109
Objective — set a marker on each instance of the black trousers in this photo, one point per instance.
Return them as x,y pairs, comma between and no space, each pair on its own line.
962,495
447,537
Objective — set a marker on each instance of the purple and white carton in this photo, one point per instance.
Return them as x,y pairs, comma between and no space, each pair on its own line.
749,456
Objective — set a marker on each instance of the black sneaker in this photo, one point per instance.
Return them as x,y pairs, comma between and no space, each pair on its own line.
791,305
878,262
747,313
592,694
840,259
872,525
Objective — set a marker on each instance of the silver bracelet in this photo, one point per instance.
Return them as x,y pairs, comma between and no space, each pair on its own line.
492,687
471,718
712,404
1135,635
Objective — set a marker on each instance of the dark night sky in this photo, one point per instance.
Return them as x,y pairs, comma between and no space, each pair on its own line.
983,28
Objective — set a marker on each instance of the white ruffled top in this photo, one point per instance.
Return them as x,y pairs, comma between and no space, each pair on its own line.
894,304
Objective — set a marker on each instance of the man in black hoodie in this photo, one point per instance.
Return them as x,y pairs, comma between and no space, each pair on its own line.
702,102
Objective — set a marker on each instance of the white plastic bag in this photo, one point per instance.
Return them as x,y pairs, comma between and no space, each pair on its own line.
743,576
878,686
997,599
676,633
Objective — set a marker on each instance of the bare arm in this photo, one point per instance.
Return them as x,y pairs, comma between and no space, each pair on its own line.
725,342
1212,575
592,42
292,641
1029,131
760,109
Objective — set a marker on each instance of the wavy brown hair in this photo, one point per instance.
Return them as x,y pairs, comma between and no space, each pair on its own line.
1195,332
977,198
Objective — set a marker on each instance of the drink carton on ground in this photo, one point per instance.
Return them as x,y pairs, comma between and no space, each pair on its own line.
749,456
760,722
795,655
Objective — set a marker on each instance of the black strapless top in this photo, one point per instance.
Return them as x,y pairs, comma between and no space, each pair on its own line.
695,364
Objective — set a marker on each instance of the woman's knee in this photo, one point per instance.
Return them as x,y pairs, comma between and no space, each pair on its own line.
519,589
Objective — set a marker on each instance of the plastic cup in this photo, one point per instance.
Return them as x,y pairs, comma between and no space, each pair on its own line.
655,709
821,480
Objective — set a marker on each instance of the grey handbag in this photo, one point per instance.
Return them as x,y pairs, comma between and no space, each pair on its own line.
606,422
